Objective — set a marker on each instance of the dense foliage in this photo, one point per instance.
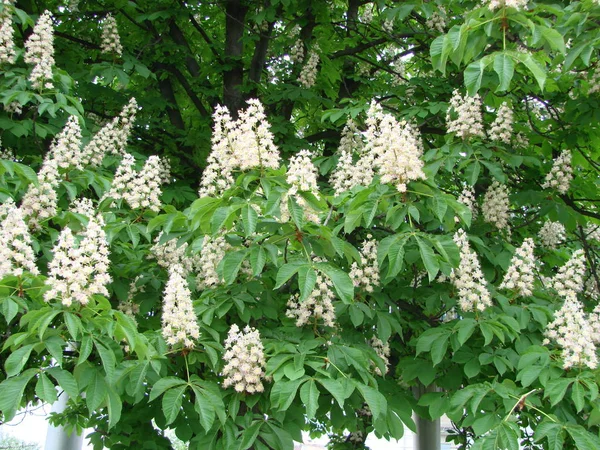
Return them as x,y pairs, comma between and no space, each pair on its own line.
415,209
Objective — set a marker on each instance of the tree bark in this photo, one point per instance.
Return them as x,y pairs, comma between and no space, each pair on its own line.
233,77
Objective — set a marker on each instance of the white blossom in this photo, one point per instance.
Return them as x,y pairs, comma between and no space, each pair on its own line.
308,75
244,360
129,306
561,174
568,282
141,190
318,305
396,148
437,21
495,208
39,52
347,173
83,206
468,278
112,137
302,177
383,351
40,201
179,323
7,45
592,232
519,276
213,251
13,108
366,274
467,198
297,50
111,42
169,254
16,252
66,146
552,234
516,4
502,127
464,116
574,334
243,144
79,268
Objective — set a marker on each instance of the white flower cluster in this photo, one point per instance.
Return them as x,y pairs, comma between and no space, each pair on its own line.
552,234
141,190
111,42
495,208
244,360
7,153
79,269
39,202
66,146
243,144
502,127
573,332
383,351
516,4
13,108
568,282
128,306
592,232
213,251
297,50
112,137
399,73
468,278
318,304
437,21
388,25
179,323
366,275
347,173
7,45
301,176
467,198
592,290
519,276
16,252
169,254
367,16
561,174
468,121
396,148
83,206
594,81
308,75
39,52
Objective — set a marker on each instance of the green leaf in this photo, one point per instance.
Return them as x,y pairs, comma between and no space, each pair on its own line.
296,212
73,324
309,394
17,360
307,277
171,403
96,391
553,38
287,271
340,390
114,405
85,348
392,248
474,74
438,349
583,438
426,340
11,393
232,262
341,281
465,328
258,258
65,380
439,207
556,389
250,434
505,68
553,432
283,393
249,219
577,394
163,385
534,67
375,399
428,257
44,389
